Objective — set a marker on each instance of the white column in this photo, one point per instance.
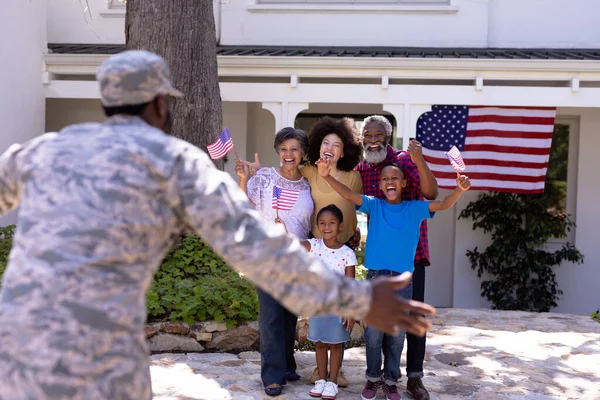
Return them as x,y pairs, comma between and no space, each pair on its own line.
406,119
22,103
284,112
293,110
277,110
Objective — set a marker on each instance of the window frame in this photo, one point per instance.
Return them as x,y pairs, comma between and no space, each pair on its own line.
572,176
114,9
400,6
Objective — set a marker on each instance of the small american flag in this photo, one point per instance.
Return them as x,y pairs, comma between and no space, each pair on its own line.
284,199
506,148
222,146
455,159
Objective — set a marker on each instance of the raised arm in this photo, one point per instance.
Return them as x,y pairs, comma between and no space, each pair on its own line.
242,170
429,186
462,185
209,201
324,166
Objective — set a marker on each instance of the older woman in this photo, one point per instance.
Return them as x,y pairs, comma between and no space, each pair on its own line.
276,324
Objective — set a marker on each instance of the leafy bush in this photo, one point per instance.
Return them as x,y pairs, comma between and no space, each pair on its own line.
194,284
361,271
6,236
596,315
521,265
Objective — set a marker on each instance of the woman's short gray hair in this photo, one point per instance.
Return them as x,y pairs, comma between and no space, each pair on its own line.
381,120
291,133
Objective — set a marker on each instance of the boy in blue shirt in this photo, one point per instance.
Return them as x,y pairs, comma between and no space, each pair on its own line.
391,245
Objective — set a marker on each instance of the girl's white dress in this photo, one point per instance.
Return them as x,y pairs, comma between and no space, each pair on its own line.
329,328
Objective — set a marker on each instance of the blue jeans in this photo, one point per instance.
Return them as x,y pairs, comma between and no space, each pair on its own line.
277,328
376,341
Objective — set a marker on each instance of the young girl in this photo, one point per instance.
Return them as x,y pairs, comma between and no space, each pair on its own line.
330,332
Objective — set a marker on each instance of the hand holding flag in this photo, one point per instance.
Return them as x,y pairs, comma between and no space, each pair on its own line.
284,199
222,146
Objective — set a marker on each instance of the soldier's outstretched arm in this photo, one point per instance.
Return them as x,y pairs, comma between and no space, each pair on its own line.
213,206
10,185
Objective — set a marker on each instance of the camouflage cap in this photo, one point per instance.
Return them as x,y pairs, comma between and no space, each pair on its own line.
134,77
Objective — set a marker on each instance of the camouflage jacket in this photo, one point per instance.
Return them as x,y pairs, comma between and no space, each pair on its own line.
99,205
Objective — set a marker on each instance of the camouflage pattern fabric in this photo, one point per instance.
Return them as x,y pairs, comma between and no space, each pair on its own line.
134,77
99,206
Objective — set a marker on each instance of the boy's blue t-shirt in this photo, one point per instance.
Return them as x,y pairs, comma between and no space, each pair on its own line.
394,231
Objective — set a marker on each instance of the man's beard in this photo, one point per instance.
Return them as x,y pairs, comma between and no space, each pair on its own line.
375,156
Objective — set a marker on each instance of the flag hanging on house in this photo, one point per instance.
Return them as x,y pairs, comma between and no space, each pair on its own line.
505,149
284,199
222,146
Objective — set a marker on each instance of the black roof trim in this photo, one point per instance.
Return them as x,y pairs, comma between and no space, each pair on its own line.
362,52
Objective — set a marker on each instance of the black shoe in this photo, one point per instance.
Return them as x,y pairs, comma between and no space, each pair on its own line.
416,389
273,391
292,376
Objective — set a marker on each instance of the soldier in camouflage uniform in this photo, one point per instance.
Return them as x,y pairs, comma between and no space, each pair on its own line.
99,206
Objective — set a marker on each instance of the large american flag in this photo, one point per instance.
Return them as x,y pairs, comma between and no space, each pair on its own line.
284,199
222,146
505,149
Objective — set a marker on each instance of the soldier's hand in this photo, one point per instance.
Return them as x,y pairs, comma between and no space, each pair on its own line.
391,313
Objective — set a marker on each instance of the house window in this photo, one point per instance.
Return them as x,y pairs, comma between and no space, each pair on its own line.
114,9
116,3
362,2
368,6
561,179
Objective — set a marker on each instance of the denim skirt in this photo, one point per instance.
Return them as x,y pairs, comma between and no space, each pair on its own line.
327,329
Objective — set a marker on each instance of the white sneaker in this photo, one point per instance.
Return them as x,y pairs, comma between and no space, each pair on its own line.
317,391
330,391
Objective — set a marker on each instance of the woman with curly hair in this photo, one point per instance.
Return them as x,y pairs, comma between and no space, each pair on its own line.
339,141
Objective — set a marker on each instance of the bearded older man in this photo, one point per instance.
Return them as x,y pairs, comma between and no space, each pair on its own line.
376,135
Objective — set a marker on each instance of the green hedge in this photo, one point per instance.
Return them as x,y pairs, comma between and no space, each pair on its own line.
6,235
192,284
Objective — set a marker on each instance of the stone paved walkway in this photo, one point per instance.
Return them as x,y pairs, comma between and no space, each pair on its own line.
471,354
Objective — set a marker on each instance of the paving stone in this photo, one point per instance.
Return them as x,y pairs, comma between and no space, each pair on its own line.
471,355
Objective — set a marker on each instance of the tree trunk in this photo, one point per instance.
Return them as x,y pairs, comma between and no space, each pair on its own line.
183,32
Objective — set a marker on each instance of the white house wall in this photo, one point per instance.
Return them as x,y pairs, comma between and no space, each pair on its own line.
100,24
68,23
22,101
543,23
235,118
580,282
467,23
64,112
247,26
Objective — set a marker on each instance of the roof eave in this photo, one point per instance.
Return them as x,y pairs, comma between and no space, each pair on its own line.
363,67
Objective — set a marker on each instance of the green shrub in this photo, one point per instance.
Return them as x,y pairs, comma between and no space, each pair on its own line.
519,268
194,284
6,236
361,271
596,315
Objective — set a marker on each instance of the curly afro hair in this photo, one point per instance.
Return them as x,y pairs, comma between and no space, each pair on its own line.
344,128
